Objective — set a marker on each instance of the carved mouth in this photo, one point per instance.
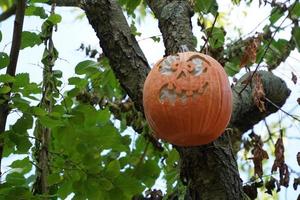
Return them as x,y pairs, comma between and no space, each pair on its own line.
171,95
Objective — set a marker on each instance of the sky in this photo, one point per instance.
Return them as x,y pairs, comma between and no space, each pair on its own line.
72,32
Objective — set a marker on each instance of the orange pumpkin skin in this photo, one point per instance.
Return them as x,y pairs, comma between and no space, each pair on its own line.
187,99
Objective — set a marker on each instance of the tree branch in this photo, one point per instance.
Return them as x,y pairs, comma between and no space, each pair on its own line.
174,20
120,46
210,33
245,113
11,68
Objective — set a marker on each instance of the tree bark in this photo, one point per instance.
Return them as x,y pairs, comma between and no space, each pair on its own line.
210,171
174,21
120,46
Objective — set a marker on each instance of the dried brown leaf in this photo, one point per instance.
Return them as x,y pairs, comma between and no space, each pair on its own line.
298,197
255,138
284,175
251,191
279,163
258,93
258,156
294,78
249,54
271,185
298,158
279,155
154,194
296,183
234,79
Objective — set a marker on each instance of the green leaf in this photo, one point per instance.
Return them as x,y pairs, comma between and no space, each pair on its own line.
295,13
110,138
231,68
20,103
216,37
236,2
173,157
67,102
54,178
128,184
65,189
23,164
206,6
113,169
105,184
57,111
38,111
86,66
50,122
155,38
0,36
6,78
4,60
46,29
22,80
73,93
54,18
49,57
30,39
296,37
276,15
15,179
36,11
134,30
57,73
103,116
148,172
78,82
131,5
4,89
15,192
23,123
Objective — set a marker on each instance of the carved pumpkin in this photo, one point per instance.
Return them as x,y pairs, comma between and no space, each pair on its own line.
187,99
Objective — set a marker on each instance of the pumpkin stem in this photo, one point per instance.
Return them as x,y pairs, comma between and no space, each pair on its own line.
183,48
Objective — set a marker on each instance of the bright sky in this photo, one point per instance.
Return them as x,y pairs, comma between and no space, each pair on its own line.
71,33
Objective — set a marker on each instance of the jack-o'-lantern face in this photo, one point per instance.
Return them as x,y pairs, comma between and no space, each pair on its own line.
187,99
183,78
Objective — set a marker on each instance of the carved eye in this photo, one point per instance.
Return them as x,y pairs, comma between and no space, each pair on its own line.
166,65
198,66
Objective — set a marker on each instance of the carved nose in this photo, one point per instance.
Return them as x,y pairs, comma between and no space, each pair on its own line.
183,74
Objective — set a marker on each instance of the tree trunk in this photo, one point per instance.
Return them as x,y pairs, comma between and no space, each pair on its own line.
209,171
